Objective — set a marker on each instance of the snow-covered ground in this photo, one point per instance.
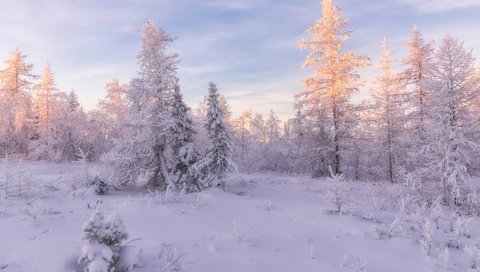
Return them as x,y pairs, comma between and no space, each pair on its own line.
260,223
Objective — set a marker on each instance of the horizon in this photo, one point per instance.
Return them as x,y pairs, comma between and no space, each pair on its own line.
248,48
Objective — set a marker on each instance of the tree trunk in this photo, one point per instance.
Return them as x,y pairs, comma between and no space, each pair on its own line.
337,158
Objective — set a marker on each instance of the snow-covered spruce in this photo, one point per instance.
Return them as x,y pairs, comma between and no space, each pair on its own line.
183,148
102,243
217,161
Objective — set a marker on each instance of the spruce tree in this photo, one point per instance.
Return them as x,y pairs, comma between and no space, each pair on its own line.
218,156
183,148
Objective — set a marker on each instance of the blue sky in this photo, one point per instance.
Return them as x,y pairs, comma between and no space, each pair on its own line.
248,47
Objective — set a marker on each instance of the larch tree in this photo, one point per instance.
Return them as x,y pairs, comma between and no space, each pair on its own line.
418,66
334,77
143,155
389,115
456,85
418,95
114,109
74,121
276,148
16,81
242,138
46,110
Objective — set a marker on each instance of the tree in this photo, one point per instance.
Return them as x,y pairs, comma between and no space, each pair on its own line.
149,96
419,65
218,156
16,81
114,108
456,86
242,139
103,243
273,127
182,139
275,148
418,93
389,115
47,111
74,128
334,78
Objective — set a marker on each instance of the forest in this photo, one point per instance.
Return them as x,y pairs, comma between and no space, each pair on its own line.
405,161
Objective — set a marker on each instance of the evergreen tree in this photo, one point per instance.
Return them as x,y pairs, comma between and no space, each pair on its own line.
102,243
218,156
182,141
149,96
73,101
328,90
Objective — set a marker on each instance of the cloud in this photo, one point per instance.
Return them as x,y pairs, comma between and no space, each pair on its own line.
234,5
432,6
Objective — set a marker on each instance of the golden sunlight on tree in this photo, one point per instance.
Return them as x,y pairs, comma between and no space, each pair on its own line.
334,79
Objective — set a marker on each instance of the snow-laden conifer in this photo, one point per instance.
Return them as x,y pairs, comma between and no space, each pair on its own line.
143,155
218,156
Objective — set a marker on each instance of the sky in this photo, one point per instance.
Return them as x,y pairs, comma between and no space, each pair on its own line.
248,47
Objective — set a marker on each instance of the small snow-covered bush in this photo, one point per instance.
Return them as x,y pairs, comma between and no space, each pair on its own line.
426,236
335,198
444,257
398,221
437,213
168,196
458,230
459,226
15,179
130,257
170,259
360,265
102,239
473,253
336,194
377,232
101,187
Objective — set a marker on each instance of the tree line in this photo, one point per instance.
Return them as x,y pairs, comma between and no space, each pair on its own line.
421,124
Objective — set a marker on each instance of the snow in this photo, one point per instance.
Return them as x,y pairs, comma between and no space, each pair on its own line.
260,223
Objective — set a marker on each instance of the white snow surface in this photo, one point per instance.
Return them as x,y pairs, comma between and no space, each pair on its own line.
260,223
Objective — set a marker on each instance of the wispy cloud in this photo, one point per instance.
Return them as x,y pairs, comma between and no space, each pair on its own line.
432,6
234,5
